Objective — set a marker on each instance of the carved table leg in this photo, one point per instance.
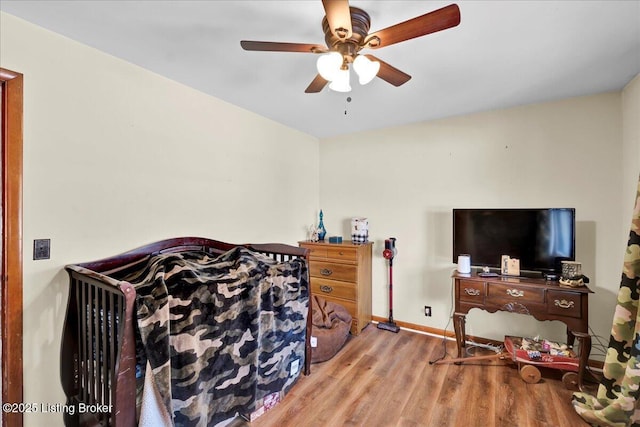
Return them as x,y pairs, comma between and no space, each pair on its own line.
570,337
459,320
584,341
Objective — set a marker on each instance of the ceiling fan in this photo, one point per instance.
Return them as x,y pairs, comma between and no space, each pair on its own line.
346,32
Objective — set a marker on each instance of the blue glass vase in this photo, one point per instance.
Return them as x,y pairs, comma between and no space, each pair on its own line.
321,230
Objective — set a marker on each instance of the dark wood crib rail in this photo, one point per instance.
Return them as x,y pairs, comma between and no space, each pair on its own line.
98,361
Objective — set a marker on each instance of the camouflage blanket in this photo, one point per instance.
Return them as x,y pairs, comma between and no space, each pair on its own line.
616,401
220,333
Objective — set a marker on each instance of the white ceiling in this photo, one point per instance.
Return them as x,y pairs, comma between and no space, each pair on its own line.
503,54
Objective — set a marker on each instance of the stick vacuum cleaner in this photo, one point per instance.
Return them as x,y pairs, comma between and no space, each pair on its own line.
388,253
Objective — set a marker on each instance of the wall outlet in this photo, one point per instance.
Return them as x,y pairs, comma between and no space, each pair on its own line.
427,310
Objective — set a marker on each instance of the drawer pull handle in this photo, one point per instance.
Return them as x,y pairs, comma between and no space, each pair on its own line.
472,292
341,253
564,303
515,293
326,272
326,289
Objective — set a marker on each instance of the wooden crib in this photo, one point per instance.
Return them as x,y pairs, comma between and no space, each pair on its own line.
98,357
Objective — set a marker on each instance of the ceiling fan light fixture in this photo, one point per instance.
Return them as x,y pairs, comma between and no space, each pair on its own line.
341,81
329,64
365,68
346,31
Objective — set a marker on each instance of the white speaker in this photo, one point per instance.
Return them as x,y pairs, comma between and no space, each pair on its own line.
464,264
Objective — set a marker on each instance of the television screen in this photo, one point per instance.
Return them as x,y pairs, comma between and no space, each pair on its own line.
539,238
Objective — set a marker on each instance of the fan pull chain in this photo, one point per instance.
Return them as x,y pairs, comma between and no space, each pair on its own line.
345,105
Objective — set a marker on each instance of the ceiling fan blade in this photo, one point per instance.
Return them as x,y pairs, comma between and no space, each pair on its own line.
316,85
389,73
282,47
438,20
338,17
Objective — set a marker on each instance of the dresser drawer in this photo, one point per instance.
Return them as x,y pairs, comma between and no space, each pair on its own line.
341,253
471,291
334,271
506,292
316,252
564,303
331,288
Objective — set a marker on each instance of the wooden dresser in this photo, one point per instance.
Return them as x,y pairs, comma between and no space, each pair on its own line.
341,272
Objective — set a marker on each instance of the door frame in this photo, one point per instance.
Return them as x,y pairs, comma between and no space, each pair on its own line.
12,134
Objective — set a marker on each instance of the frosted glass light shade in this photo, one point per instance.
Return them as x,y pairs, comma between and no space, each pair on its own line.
365,68
340,82
328,65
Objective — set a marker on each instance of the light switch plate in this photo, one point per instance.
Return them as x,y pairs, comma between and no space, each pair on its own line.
41,249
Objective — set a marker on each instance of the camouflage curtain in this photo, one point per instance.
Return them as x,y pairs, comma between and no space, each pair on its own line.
616,401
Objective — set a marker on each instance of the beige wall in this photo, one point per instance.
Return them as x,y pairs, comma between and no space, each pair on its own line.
116,157
406,180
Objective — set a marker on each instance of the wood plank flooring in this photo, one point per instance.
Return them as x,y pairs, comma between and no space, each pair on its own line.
384,379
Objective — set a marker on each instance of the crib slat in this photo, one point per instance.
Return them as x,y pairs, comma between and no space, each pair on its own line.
95,344
84,359
98,339
113,342
92,352
105,348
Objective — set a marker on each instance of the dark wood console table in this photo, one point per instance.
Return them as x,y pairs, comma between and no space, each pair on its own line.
544,300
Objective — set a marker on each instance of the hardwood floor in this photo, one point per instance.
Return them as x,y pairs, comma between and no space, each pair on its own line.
384,379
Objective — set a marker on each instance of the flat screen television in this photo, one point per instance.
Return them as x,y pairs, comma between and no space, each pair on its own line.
539,238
